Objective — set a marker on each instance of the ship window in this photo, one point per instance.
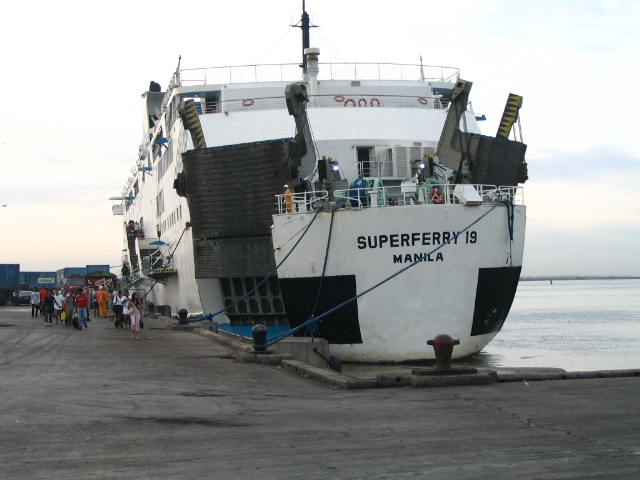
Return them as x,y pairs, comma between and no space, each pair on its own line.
226,287
237,287
228,302
274,286
263,287
253,306
160,203
278,306
266,306
248,283
242,307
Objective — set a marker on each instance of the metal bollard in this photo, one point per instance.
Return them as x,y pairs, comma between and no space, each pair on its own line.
443,348
259,333
182,315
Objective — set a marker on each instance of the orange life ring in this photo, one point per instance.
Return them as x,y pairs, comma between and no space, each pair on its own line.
436,195
374,99
247,102
350,100
339,98
362,100
423,100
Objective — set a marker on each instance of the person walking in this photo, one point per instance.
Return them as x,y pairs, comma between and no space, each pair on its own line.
58,300
135,313
35,302
117,308
125,307
82,307
43,293
70,307
93,297
47,307
101,296
110,298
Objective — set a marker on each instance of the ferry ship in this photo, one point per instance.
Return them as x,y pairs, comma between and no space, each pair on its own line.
358,203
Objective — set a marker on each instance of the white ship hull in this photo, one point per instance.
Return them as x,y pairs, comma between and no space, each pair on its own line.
439,295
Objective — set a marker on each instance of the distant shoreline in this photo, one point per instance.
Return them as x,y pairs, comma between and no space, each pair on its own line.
577,277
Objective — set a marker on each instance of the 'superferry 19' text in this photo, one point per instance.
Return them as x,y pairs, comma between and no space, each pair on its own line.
398,240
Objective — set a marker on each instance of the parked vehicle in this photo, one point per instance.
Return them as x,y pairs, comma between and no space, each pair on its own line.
24,298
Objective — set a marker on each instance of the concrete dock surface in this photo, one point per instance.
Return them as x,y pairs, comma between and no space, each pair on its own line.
95,404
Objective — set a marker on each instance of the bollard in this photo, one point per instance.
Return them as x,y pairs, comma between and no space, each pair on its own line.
443,348
259,333
182,315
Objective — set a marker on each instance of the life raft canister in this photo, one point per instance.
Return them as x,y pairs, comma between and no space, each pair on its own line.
436,195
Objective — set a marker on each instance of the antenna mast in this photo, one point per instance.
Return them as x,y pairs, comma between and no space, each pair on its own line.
305,25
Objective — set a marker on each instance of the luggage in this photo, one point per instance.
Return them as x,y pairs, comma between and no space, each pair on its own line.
75,323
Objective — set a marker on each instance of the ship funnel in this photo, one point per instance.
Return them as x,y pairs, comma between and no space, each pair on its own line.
312,54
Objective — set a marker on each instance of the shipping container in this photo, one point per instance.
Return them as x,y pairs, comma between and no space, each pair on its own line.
9,280
70,276
9,275
71,271
38,279
96,268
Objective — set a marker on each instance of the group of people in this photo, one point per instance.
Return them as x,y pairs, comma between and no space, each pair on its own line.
134,229
72,307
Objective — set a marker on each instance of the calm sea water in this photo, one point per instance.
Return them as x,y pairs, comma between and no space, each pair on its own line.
572,324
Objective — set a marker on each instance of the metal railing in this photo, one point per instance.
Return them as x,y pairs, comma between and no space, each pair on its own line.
159,260
291,72
398,195
301,202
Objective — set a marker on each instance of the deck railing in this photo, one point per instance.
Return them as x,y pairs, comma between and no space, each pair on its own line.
398,195
291,72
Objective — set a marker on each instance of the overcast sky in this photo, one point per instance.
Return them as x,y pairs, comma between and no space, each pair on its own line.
72,74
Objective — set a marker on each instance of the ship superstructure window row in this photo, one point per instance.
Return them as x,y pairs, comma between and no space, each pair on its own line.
172,219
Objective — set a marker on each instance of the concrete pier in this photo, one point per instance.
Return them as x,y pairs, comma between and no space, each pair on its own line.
97,404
